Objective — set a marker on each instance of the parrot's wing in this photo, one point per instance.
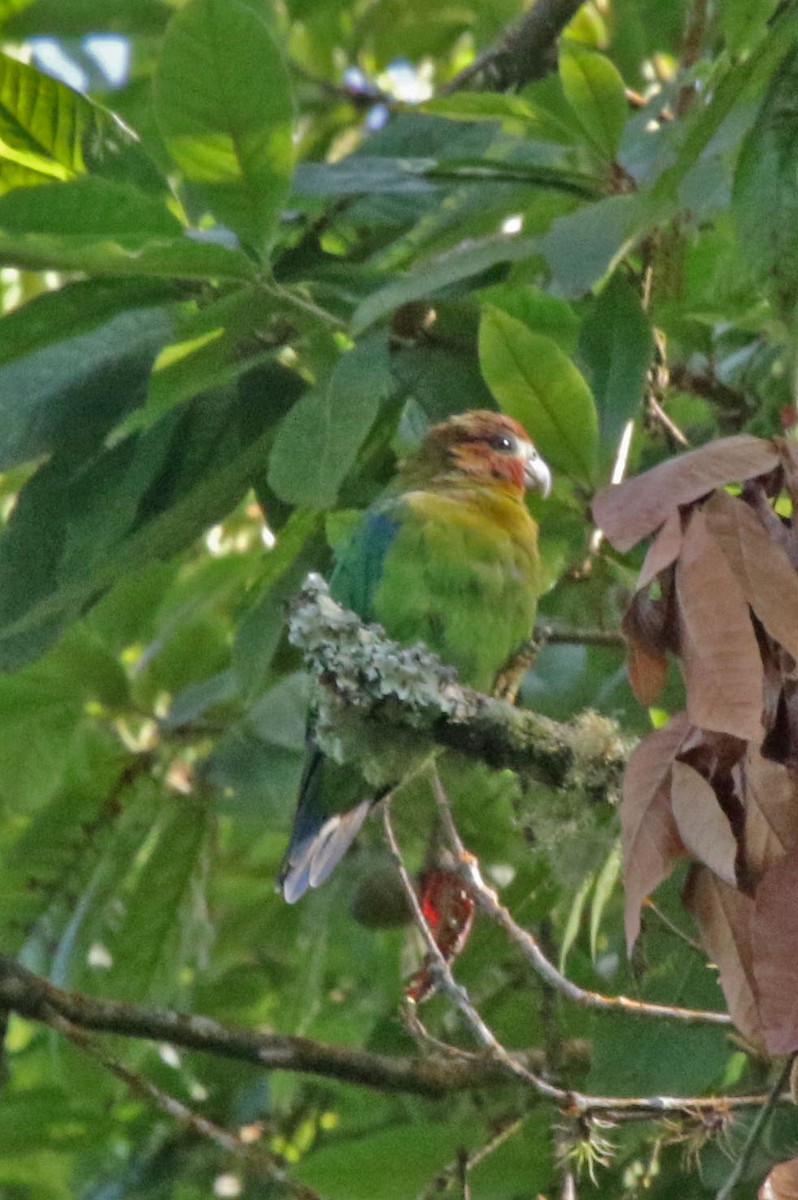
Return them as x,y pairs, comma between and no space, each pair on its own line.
330,812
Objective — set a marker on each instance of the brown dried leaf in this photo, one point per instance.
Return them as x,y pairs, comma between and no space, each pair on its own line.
770,800
629,511
781,1183
663,551
724,918
775,953
651,842
768,581
703,826
722,665
647,671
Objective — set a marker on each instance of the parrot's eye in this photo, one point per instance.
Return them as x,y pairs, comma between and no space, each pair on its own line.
502,443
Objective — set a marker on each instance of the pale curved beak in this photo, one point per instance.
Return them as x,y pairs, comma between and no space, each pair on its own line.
537,475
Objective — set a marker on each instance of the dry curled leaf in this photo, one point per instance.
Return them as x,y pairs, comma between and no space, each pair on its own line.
650,838
767,792
721,660
703,826
760,566
724,917
775,953
663,551
781,1183
629,511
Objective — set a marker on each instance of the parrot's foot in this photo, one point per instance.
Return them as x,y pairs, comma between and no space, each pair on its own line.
509,679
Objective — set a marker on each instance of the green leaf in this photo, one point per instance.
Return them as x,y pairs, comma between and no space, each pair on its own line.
606,883
319,439
582,247
616,343
493,106
366,174
765,201
66,396
85,208
73,309
432,276
223,103
744,22
145,499
49,128
362,1168
106,228
571,930
158,902
703,123
535,383
537,309
596,93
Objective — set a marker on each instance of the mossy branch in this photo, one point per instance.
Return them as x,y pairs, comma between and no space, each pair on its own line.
408,688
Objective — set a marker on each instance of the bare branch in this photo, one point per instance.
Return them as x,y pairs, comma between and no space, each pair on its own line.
254,1157
489,902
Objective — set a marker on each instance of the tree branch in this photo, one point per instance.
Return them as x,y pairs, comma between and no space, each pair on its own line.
525,53
408,687
31,996
434,1077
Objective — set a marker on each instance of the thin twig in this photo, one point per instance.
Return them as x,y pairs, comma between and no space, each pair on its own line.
255,1157
448,984
674,929
489,902
755,1133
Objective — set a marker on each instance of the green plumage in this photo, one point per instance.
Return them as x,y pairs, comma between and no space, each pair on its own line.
449,559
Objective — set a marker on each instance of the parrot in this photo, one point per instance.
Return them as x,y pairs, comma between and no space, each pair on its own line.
447,556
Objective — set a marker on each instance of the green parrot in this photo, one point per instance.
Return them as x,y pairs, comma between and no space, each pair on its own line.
449,557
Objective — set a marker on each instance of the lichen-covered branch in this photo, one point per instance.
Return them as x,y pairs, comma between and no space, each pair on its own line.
408,687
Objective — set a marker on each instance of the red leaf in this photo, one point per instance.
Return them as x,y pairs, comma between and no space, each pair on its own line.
775,932
448,908
724,918
651,842
721,660
629,511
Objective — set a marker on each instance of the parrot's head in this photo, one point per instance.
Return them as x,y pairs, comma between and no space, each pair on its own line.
481,447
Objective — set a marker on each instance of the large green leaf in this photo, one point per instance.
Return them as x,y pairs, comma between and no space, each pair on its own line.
537,384
106,228
54,18
319,439
615,343
766,189
224,106
431,277
49,128
73,309
79,527
595,91
66,396
582,247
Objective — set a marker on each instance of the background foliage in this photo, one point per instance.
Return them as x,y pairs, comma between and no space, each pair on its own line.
244,264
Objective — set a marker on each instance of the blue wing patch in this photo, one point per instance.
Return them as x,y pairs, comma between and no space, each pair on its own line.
359,570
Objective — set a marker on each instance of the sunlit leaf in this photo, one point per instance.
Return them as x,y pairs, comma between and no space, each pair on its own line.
224,105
